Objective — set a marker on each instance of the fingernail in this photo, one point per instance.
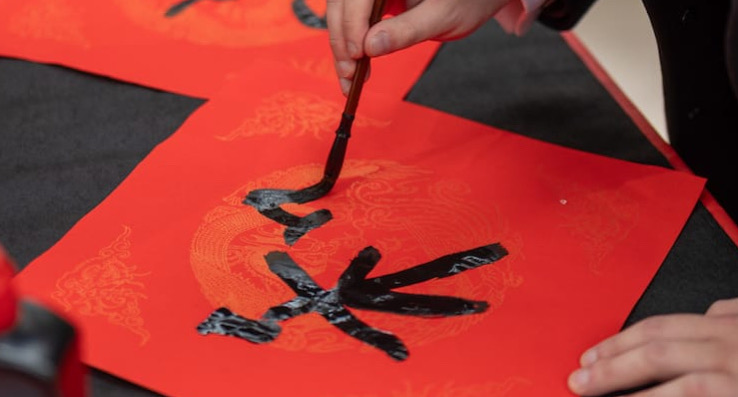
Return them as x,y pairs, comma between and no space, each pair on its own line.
353,50
588,358
379,44
345,68
578,380
345,85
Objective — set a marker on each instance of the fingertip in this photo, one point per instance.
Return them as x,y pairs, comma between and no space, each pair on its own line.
345,86
588,358
345,68
578,381
378,44
354,24
723,307
353,50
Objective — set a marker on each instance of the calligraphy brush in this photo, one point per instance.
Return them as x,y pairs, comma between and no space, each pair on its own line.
343,133
268,201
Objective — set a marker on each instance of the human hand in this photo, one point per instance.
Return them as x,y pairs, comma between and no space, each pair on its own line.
693,355
415,21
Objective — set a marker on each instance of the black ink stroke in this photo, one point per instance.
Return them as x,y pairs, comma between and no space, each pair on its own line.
225,322
355,290
302,11
310,298
307,17
268,201
376,293
177,8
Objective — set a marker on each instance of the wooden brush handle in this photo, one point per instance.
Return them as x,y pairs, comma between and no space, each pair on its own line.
362,66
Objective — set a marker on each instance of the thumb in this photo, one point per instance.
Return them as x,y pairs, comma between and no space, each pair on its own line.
429,19
724,307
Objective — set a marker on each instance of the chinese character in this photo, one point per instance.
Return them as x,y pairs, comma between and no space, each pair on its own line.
353,289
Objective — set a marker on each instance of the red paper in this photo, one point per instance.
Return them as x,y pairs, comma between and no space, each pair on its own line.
191,53
8,300
585,235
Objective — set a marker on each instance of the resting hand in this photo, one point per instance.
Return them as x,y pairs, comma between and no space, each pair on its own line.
415,21
693,355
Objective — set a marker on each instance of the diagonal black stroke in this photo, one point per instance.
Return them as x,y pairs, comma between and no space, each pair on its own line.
281,264
359,268
382,340
445,266
307,17
224,322
177,8
375,293
411,304
293,308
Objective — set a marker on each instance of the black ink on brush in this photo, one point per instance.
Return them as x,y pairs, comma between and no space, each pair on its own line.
307,17
268,201
355,290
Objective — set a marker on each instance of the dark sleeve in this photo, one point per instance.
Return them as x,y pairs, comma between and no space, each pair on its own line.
564,14
696,41
732,46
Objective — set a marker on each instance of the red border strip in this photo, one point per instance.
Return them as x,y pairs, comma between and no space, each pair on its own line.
717,211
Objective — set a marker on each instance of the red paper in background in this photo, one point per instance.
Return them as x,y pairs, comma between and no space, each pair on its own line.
173,242
190,53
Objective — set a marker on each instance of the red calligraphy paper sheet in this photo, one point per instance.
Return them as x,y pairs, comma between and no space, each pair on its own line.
190,53
584,236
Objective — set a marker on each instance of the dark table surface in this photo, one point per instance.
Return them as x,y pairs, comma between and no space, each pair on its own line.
69,138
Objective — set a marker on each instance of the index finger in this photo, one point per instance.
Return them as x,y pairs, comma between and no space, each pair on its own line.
355,24
343,62
334,18
665,327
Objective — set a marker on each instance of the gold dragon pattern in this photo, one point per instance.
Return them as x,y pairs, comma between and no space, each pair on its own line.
402,210
230,24
107,286
599,218
295,114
